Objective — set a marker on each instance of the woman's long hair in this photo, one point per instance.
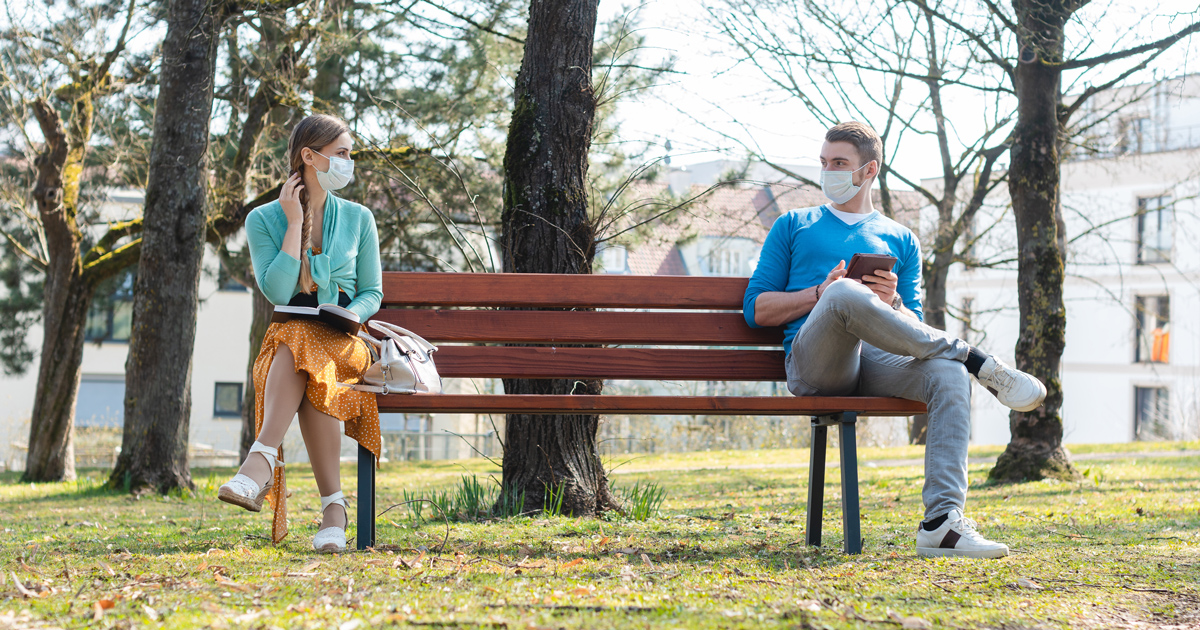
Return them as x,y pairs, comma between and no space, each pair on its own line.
314,132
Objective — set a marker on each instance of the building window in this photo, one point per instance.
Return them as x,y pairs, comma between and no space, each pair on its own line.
724,262
1154,230
227,401
1153,329
226,281
1135,135
614,259
101,401
110,317
1152,414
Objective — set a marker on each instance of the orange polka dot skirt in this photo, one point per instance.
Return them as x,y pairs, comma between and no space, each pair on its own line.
329,356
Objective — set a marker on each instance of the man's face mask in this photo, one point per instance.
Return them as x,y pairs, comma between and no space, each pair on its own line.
839,185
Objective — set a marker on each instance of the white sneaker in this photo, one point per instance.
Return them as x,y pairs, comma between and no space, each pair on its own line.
957,537
1013,388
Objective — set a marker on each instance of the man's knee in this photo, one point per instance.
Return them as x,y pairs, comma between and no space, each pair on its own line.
845,290
948,377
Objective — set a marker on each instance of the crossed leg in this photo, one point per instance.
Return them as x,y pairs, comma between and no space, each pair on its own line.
281,397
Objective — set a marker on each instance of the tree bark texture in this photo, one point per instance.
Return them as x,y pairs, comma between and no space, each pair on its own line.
546,229
1035,450
158,371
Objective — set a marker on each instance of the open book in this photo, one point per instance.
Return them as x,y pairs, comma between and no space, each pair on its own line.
332,314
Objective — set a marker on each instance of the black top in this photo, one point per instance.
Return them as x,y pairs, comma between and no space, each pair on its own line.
310,299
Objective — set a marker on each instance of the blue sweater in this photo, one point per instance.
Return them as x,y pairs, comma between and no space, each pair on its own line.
349,259
805,245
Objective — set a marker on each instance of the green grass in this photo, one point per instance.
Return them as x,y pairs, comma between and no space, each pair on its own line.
725,550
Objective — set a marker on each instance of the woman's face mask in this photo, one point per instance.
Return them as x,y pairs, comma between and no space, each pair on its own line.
339,173
839,185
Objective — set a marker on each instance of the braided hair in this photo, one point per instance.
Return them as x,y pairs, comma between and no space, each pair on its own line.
314,132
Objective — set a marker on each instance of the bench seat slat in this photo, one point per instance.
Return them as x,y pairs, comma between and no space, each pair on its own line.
665,405
537,290
565,327
610,363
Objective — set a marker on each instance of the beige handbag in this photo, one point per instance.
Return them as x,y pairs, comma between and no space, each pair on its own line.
403,363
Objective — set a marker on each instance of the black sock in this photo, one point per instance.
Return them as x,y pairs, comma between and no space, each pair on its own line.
935,523
974,360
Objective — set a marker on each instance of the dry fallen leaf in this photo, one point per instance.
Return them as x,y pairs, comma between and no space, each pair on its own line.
568,565
234,585
910,623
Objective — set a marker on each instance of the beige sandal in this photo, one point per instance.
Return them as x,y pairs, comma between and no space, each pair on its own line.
332,539
245,492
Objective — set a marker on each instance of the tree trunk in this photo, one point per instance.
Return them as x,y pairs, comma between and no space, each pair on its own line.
158,371
546,230
934,307
1035,450
66,294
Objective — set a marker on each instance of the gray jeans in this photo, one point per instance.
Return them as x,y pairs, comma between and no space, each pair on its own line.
853,343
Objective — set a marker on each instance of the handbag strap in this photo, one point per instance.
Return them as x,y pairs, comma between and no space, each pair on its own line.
395,332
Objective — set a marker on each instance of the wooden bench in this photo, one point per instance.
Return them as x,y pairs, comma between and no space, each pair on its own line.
644,312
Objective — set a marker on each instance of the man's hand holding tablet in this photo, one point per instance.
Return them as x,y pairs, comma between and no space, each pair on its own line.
875,271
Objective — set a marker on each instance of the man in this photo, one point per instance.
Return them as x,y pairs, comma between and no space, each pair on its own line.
866,337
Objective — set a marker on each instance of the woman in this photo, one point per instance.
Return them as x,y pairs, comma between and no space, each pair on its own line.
308,248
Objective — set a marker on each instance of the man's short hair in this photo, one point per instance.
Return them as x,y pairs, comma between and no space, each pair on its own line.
868,143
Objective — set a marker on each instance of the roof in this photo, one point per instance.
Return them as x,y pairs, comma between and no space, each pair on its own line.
729,211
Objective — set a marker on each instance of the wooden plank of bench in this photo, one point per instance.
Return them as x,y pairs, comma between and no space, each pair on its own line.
654,405
682,364
536,290
676,329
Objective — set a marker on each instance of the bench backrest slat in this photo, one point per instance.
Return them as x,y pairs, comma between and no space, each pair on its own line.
693,364
449,309
575,327
562,291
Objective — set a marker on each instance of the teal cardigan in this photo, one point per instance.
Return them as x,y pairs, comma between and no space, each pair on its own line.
349,259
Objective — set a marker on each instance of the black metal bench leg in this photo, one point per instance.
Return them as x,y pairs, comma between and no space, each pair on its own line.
816,481
849,456
366,498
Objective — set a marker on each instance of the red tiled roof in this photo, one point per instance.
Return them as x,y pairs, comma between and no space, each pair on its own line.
729,211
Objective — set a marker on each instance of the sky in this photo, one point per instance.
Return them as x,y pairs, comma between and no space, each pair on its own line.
694,110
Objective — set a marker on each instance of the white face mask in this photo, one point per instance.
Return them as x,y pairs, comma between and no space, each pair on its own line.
839,185
340,172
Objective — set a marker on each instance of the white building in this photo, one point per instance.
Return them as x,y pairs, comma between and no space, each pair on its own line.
1131,207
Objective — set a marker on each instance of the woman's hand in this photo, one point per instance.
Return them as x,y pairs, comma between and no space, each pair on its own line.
289,198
